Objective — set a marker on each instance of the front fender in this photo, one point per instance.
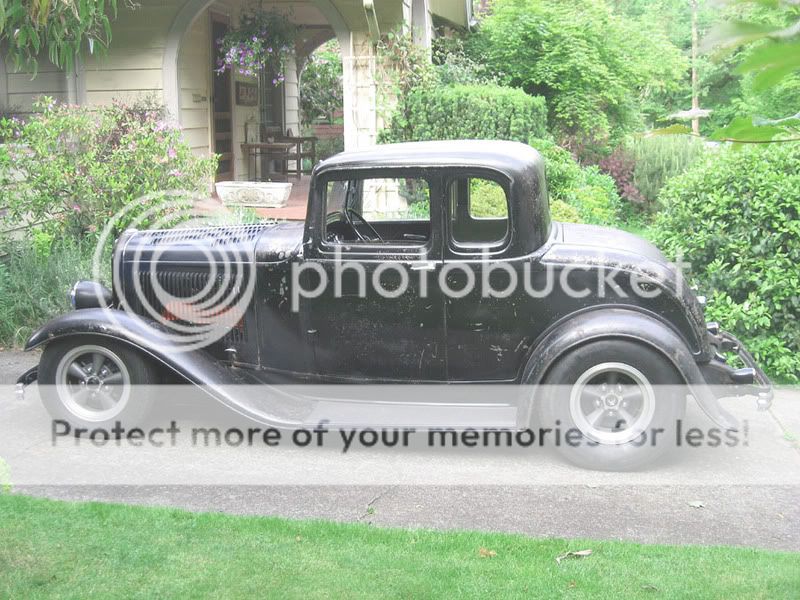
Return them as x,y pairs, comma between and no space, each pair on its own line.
228,385
621,323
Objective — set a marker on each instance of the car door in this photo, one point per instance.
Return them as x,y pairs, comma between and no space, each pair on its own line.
485,339
379,316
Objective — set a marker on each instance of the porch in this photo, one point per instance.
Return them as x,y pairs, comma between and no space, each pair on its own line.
165,50
295,209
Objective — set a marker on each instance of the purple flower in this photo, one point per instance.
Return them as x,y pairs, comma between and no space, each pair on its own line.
175,173
172,153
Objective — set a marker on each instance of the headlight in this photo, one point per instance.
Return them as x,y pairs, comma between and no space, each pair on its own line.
89,294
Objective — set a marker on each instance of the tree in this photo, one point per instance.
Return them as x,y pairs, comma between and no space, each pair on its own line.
769,38
595,68
61,28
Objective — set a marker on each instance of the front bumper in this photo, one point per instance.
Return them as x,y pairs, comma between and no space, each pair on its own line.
729,381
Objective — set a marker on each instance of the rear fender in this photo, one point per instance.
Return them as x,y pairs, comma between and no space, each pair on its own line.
620,323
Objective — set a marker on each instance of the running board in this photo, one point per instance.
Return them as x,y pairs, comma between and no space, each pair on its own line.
339,414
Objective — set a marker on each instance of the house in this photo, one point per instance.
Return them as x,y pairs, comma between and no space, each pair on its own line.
166,48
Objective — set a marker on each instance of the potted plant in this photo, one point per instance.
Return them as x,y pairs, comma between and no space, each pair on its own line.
264,40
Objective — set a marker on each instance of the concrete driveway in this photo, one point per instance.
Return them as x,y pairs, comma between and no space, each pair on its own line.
744,496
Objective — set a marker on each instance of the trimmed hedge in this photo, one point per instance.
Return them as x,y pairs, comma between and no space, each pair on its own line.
735,216
459,112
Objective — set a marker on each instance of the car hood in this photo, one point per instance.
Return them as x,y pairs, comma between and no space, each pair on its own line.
282,241
259,242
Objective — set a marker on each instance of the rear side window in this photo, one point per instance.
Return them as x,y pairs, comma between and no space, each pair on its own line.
479,212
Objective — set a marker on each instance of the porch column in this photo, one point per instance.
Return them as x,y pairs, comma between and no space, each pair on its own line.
360,91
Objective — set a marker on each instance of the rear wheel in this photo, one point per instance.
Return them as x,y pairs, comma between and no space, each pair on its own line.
96,383
622,397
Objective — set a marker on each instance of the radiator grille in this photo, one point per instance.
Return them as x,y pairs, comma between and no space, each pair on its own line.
185,284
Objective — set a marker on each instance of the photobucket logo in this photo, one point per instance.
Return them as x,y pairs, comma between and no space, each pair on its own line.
486,277
194,283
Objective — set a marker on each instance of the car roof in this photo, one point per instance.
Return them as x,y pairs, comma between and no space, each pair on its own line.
512,158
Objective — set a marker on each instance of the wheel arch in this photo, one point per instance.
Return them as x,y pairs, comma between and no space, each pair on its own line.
621,324
226,385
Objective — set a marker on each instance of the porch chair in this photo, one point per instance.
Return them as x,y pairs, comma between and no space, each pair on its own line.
305,147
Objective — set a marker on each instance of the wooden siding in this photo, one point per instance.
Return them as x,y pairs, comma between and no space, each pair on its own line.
131,68
21,90
194,73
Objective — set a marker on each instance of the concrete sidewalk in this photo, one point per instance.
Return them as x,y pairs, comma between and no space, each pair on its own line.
749,496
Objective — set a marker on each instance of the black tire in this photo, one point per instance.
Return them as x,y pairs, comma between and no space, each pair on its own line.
134,377
572,390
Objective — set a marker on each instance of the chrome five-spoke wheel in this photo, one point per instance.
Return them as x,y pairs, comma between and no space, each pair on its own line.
624,398
612,403
93,383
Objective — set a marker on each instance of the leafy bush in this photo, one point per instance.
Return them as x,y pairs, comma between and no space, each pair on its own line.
561,211
71,168
659,158
620,165
321,93
487,199
488,112
592,195
327,147
453,66
593,66
34,281
736,217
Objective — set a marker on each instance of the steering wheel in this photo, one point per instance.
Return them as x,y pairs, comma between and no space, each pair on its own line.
351,216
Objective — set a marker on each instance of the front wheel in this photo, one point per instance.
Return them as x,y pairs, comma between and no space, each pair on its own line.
96,383
623,398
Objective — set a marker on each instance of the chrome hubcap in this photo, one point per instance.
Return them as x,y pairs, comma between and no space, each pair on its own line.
612,403
93,383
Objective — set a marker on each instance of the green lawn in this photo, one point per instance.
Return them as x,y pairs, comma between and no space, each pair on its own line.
76,550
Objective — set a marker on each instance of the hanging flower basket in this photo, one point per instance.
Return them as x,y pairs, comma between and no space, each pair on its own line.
263,42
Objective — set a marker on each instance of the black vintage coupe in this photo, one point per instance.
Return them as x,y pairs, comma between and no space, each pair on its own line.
430,262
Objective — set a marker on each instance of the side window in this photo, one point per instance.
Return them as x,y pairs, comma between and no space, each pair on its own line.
378,210
479,215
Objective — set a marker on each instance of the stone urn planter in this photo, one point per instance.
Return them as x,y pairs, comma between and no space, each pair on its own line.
259,194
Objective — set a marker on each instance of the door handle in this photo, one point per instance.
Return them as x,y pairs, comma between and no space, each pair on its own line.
424,266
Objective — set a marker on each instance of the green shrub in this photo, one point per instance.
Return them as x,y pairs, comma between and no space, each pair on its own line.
34,282
736,217
591,194
659,158
327,147
458,112
71,168
561,211
321,92
487,199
